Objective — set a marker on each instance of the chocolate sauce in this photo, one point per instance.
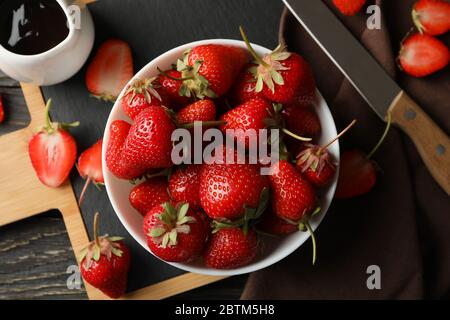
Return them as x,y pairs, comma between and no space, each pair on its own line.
30,27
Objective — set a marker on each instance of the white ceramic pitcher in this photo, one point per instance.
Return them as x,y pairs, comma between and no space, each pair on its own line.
60,62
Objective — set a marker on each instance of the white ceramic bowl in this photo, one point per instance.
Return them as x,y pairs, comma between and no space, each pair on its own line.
274,249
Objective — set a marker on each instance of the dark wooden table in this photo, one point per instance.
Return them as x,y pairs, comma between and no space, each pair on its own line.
35,253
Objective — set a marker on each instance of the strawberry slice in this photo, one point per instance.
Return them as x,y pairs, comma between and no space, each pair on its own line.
432,17
2,111
422,55
90,167
110,70
53,151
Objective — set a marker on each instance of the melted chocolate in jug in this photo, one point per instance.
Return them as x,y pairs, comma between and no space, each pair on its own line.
30,27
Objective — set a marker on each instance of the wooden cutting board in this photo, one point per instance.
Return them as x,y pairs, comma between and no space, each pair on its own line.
151,28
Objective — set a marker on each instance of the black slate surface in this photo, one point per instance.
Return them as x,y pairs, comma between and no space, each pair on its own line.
151,28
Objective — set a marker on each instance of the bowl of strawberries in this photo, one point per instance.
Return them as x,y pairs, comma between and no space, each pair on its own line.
227,211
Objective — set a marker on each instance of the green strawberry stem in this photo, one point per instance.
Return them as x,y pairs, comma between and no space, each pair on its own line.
383,137
48,123
96,220
337,137
313,238
173,78
250,48
51,127
204,124
293,135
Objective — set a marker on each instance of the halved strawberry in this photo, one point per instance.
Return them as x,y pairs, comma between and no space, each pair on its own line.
422,55
349,7
90,167
53,151
110,70
432,17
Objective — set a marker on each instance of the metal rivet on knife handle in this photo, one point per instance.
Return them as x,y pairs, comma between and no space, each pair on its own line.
410,114
440,150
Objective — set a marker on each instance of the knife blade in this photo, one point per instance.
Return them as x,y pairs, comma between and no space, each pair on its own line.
379,90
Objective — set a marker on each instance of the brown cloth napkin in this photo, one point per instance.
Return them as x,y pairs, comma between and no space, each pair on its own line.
403,225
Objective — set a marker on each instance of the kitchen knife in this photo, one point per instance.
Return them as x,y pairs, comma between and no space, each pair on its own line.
373,83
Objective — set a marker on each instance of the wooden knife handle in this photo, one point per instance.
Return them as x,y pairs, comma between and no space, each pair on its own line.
431,142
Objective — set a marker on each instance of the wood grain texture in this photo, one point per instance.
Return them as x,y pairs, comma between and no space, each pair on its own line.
161,26
431,142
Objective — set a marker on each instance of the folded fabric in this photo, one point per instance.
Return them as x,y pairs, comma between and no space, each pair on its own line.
403,224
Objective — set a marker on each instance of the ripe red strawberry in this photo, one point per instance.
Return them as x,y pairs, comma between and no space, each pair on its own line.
2,110
316,163
133,150
244,88
110,70
293,197
52,151
105,263
149,194
118,134
231,248
90,167
357,175
271,223
174,233
201,110
432,17
225,189
349,7
301,121
422,55
210,70
184,185
250,115
282,76
140,95
170,82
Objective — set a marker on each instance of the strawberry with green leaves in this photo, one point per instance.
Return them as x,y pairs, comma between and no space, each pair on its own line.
140,95
90,167
110,70
244,88
174,232
316,163
53,151
105,263
282,76
210,70
171,83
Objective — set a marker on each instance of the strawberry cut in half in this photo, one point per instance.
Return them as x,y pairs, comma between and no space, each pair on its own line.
90,167
110,70
432,17
422,55
53,151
